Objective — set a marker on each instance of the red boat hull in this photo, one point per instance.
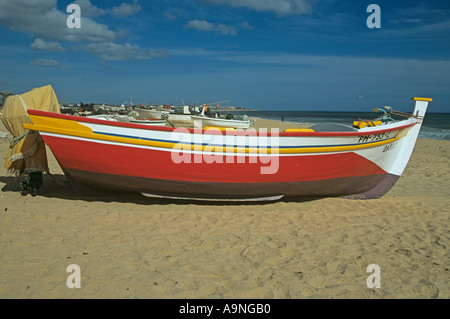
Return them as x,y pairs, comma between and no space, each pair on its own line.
151,171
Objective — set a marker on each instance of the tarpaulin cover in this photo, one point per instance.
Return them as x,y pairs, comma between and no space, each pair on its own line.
27,149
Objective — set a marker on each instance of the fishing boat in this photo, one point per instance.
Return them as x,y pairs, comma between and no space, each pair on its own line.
203,121
354,161
128,119
168,114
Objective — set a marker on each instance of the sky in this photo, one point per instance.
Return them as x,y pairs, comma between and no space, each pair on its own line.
300,55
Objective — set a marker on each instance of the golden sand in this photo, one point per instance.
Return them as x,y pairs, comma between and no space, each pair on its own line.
129,246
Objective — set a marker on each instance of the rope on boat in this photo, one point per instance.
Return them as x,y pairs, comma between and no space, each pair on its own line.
16,140
391,111
407,114
385,117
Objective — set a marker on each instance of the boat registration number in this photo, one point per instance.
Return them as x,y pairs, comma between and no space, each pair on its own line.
374,137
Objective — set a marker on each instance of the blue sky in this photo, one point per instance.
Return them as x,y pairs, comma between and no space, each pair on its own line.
264,54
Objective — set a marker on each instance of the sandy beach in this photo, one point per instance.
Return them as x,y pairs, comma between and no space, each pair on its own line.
129,246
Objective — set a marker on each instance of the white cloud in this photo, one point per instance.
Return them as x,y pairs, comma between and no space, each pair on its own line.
169,16
121,52
88,9
42,45
203,25
47,24
122,10
280,7
42,19
429,31
245,25
419,22
126,9
44,62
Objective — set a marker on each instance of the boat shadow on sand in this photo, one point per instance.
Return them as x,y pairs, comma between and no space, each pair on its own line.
58,186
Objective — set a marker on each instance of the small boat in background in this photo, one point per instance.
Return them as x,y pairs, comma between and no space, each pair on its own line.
203,121
166,114
126,119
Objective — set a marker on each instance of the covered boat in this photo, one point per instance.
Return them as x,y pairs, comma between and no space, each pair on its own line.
168,114
231,164
202,121
26,153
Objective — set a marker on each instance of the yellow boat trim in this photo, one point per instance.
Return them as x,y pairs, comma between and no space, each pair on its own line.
227,129
426,99
73,128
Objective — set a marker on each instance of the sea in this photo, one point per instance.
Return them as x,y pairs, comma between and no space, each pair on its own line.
435,125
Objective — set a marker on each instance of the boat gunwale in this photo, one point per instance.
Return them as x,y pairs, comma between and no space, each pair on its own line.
217,131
